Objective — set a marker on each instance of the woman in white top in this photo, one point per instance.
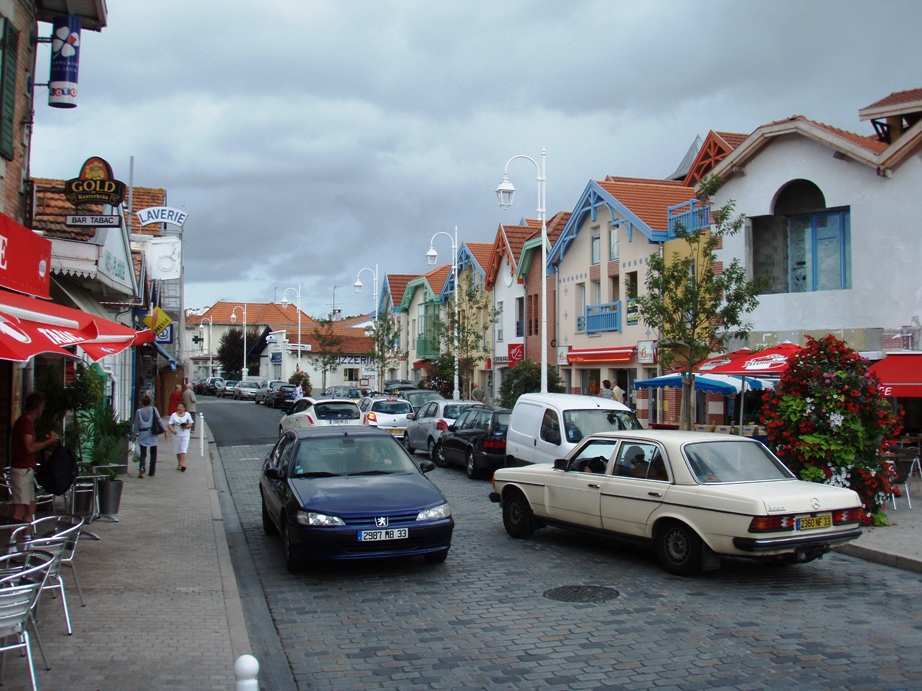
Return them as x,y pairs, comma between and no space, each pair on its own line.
181,426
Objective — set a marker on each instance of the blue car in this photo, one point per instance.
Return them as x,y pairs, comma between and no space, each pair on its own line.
344,493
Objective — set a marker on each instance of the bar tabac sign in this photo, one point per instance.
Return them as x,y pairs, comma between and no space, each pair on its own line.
96,185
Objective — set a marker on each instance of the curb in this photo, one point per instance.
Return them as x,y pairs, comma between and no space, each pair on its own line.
878,557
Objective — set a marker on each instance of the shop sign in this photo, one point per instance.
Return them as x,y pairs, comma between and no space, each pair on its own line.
65,61
633,312
516,353
96,185
113,259
162,214
563,355
646,353
25,259
165,336
157,321
92,221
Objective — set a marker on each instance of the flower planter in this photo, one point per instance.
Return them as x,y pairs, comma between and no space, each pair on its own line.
110,496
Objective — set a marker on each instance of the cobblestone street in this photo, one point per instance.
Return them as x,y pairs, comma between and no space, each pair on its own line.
482,620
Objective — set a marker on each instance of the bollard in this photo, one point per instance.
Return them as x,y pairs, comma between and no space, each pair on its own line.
247,668
201,433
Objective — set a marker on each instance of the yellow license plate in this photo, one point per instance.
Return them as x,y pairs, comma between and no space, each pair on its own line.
814,522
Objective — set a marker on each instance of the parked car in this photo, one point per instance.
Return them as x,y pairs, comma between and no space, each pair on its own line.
327,411
353,392
695,496
419,397
245,390
398,384
198,387
476,440
537,419
387,413
281,397
265,387
335,494
212,384
227,391
427,424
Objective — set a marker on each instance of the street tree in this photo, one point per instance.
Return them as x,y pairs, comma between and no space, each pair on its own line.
471,322
329,348
694,307
525,377
385,341
230,351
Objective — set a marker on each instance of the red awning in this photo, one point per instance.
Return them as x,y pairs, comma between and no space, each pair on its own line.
771,361
422,364
900,375
590,355
30,327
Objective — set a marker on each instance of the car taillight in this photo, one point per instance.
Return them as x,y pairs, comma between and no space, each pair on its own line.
847,516
771,524
371,417
310,420
441,425
495,444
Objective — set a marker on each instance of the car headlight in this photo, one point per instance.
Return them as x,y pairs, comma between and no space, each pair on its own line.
317,519
436,512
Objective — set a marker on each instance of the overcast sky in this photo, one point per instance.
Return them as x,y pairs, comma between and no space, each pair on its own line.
307,139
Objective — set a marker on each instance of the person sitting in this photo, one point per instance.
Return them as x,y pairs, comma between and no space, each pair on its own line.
595,465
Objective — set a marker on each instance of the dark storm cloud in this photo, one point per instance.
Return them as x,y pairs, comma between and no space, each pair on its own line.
309,139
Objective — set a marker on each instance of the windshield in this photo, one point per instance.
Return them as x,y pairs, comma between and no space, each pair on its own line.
337,411
392,407
247,385
422,397
351,456
734,461
452,412
579,423
500,423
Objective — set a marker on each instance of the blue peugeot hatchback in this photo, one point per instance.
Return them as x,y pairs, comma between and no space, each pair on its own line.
349,492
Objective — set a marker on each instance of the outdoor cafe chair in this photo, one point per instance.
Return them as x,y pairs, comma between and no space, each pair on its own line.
22,575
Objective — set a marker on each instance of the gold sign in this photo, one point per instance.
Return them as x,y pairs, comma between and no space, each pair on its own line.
95,185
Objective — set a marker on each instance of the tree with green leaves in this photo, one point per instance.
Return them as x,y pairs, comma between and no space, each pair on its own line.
329,348
230,351
695,309
385,339
525,377
471,322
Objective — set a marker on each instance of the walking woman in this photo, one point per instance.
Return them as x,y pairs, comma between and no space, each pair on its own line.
146,437
181,426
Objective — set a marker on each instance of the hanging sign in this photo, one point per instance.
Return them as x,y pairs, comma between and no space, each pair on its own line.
162,214
65,61
73,220
25,259
96,185
158,321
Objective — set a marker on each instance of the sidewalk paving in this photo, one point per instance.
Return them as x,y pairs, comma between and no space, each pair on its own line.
162,608
899,544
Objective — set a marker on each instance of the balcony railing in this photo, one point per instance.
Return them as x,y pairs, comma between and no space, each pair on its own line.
604,317
693,215
427,348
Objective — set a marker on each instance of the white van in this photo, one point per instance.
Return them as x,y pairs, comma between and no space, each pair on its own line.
534,434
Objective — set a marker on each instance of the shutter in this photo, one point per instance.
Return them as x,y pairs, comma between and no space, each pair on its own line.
8,64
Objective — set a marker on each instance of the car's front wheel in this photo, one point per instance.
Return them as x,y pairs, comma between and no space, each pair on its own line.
292,563
518,518
678,548
268,525
406,443
437,454
473,472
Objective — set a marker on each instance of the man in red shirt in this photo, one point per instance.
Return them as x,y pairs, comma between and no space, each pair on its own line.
23,462
175,398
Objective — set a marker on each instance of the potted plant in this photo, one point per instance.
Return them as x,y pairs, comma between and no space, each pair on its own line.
106,444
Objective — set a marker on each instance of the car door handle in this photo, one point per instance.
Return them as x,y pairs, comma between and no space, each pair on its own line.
655,494
593,485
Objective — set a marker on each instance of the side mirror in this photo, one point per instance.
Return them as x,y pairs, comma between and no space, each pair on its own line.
561,464
411,416
452,428
273,474
426,466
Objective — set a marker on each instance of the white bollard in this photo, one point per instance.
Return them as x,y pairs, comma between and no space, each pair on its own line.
247,668
201,433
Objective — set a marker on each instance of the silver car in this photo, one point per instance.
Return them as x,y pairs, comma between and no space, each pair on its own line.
309,412
387,413
425,427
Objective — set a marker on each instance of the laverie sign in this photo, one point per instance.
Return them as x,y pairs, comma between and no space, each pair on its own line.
162,214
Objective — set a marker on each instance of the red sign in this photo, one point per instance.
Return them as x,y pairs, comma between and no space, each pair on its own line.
25,259
516,353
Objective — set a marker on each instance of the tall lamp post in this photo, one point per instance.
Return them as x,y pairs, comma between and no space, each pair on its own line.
285,303
358,289
504,194
432,257
201,326
243,372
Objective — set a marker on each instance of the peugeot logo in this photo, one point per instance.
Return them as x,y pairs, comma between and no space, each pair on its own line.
381,521
815,503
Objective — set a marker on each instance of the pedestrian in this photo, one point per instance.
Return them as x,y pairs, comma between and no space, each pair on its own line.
618,393
298,393
175,398
23,460
180,424
188,397
478,394
606,392
142,432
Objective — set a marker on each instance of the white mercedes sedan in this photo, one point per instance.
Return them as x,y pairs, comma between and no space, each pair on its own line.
695,496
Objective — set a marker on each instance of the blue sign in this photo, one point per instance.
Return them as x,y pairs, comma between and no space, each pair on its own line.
275,357
65,61
165,336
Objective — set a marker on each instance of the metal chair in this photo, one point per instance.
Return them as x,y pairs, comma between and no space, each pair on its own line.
22,576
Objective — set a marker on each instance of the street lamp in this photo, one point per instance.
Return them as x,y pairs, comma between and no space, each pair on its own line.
504,194
432,257
243,372
358,285
201,326
285,303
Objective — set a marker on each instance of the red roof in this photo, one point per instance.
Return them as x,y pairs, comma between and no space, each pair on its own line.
398,285
871,142
257,313
648,199
897,98
481,252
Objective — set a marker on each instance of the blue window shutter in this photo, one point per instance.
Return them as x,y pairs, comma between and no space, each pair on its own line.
8,63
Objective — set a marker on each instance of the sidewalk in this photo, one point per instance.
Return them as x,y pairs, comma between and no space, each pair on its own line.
162,607
899,544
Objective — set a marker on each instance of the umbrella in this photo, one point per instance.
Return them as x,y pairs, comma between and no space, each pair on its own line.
715,383
771,361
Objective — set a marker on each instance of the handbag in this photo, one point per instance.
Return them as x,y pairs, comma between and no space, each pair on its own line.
156,424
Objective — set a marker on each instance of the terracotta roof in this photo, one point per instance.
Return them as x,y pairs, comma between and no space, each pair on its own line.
733,139
143,198
715,148
397,283
871,142
351,322
481,252
897,98
555,226
437,277
257,313
517,235
354,341
648,199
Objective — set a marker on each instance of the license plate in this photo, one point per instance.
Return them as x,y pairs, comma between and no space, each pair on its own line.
393,534
396,432
813,522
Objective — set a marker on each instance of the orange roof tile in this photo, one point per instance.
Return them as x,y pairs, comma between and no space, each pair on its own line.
481,252
437,277
555,226
257,313
648,199
398,285
897,98
871,143
733,139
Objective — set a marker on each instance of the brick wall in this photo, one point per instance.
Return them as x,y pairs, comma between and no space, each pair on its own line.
14,173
